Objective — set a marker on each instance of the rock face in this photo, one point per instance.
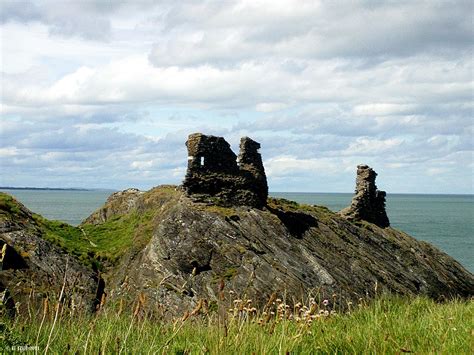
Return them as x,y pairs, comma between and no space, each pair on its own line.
368,203
120,202
295,251
215,174
32,268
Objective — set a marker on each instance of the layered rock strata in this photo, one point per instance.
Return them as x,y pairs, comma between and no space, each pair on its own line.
293,251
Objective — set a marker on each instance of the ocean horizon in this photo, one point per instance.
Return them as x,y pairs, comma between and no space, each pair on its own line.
445,220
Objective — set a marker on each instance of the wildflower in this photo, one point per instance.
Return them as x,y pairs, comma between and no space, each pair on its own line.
326,313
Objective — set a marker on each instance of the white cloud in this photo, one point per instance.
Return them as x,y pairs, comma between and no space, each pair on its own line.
363,146
113,89
270,106
383,109
285,165
141,165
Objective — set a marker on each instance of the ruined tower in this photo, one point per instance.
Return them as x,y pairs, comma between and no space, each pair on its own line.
368,203
215,174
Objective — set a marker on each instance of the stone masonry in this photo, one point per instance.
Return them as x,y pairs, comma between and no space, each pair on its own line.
215,174
368,203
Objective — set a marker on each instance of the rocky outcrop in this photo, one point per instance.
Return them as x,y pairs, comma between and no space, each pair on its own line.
199,251
368,203
120,202
33,268
191,251
215,174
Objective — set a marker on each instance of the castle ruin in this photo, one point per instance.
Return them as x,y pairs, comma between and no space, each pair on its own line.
368,203
216,174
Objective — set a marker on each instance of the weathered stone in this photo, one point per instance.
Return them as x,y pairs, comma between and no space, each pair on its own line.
250,160
122,202
214,175
368,203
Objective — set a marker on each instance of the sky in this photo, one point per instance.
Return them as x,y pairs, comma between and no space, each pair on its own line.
103,94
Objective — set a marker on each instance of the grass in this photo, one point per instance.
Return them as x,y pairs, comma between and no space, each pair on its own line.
114,238
285,205
8,206
386,325
94,245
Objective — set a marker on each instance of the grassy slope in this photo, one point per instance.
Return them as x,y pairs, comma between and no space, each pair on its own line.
93,245
388,325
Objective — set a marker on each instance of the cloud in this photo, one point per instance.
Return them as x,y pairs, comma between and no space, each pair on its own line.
61,17
112,89
270,106
240,31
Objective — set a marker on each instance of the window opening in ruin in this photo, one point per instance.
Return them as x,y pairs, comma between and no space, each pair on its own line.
202,161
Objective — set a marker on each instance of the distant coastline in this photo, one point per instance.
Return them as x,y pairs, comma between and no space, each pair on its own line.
51,188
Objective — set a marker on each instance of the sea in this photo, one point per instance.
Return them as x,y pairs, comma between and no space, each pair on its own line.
446,221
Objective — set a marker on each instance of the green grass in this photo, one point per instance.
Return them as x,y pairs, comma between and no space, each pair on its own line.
93,245
120,234
387,325
288,205
8,206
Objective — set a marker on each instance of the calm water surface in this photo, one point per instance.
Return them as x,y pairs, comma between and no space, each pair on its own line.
443,220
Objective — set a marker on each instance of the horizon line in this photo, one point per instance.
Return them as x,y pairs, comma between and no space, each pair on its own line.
270,192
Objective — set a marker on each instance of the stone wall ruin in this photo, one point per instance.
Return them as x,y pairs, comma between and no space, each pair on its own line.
215,174
218,176
368,203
